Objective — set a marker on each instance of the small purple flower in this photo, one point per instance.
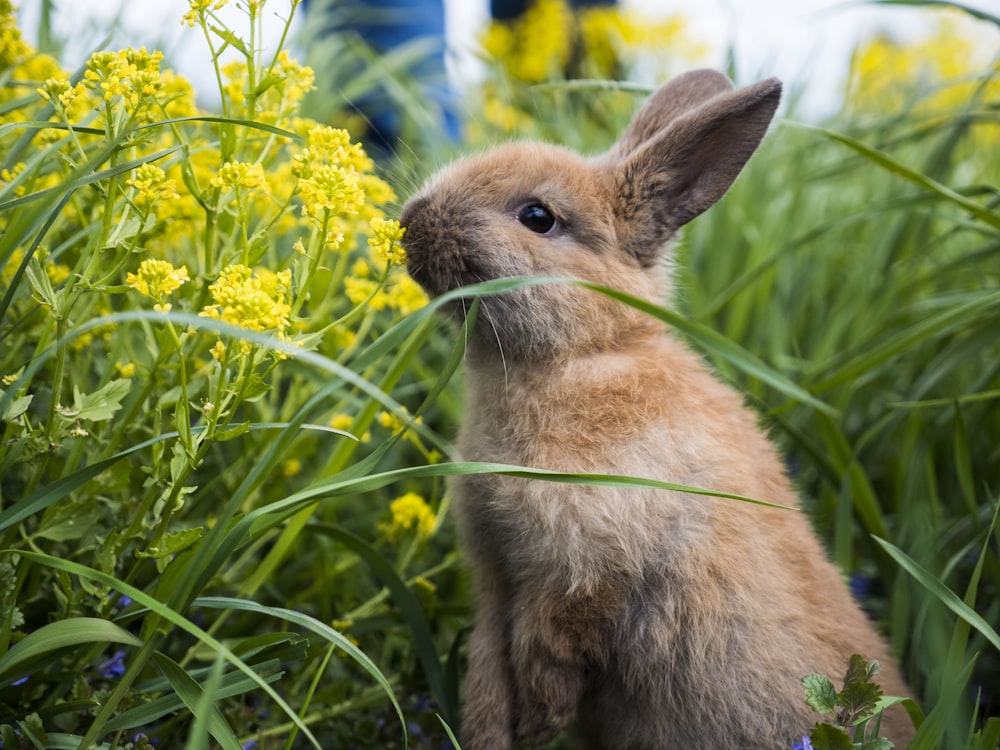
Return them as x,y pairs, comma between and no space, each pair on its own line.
250,745
21,681
114,667
123,602
805,744
861,585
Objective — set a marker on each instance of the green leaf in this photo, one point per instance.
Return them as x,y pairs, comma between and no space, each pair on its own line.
947,597
858,699
174,618
233,683
173,543
74,631
408,606
314,625
821,695
51,493
100,405
16,408
876,743
911,175
829,737
189,691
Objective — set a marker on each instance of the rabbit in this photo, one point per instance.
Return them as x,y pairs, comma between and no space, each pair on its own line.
644,618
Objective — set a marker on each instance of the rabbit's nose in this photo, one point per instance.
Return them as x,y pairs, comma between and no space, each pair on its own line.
413,208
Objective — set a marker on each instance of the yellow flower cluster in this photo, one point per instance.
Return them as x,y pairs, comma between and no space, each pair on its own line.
941,69
60,92
236,175
10,175
400,293
328,170
13,49
256,300
157,279
393,423
385,239
152,185
537,45
549,41
133,75
409,512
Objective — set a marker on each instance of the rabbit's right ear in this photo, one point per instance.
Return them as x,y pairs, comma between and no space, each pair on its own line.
681,154
677,96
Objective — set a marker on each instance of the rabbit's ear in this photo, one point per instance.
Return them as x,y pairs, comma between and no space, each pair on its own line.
677,171
680,94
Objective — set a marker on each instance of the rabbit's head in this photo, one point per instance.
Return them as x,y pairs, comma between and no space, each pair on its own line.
529,209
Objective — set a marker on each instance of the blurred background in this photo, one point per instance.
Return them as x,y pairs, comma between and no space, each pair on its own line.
809,44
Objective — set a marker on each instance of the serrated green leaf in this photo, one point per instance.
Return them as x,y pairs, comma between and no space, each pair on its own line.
857,671
829,737
858,699
821,695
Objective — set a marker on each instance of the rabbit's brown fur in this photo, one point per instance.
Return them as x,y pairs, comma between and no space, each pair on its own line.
650,619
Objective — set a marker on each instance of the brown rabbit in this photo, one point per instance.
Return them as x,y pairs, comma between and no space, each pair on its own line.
651,619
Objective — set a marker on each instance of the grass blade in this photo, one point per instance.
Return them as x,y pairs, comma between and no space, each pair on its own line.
198,702
947,597
60,634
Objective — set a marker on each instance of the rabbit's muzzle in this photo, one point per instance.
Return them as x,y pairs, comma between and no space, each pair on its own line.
436,243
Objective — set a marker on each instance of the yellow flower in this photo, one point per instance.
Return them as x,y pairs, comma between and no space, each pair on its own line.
125,369
385,239
178,95
131,74
9,175
536,45
157,279
13,49
290,467
236,78
393,422
937,73
59,91
198,8
298,79
257,300
57,272
405,295
345,422
410,511
152,184
238,174
328,170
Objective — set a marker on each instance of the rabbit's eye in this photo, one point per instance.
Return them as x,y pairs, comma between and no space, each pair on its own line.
537,218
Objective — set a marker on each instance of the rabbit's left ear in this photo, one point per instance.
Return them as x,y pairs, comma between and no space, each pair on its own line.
664,177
